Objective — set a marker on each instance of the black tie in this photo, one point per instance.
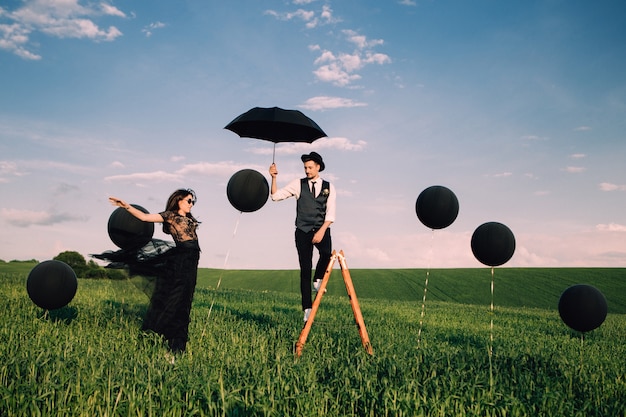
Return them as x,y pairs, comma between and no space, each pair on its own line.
313,188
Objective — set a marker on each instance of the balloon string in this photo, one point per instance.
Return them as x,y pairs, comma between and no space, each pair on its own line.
219,281
491,335
430,255
491,324
582,343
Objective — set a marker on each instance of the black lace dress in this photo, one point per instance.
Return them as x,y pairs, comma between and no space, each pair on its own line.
168,274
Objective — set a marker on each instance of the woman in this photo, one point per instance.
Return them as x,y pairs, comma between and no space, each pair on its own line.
176,275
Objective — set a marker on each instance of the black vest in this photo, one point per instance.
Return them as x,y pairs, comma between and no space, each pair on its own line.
311,211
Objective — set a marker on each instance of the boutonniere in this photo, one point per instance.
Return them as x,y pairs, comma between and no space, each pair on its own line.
325,192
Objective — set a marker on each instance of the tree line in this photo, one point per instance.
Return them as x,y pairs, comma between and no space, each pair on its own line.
91,269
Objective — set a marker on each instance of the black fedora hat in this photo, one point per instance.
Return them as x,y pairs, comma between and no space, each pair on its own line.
315,157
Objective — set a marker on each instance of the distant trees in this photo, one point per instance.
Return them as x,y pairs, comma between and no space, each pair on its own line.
16,261
91,269
75,260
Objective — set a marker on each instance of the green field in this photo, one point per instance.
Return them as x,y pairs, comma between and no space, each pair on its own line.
90,359
513,287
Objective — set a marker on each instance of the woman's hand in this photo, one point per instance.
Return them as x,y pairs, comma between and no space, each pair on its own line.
119,203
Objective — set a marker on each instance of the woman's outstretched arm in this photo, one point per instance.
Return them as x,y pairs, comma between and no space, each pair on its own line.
146,217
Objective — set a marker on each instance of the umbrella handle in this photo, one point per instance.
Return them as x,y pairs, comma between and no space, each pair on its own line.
274,153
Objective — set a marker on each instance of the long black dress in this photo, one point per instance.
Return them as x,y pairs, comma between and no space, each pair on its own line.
175,271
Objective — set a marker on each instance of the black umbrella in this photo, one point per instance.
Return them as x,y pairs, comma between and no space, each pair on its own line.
276,125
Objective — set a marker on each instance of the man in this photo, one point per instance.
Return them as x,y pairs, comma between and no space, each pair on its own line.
315,211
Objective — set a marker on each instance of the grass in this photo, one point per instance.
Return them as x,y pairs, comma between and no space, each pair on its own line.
513,287
89,358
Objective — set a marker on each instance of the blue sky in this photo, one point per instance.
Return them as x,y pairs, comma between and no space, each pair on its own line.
518,107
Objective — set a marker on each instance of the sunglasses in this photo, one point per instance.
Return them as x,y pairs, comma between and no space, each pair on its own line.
191,201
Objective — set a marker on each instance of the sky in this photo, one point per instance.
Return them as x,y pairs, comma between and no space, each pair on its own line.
519,108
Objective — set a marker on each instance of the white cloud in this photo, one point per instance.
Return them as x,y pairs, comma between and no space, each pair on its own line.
578,156
60,19
13,37
337,68
111,10
452,249
25,218
219,169
350,62
611,227
54,165
588,248
533,138
81,28
326,56
361,41
607,186
27,167
339,143
148,30
417,250
326,102
333,73
582,128
301,14
10,168
407,3
139,177
311,18
575,170
376,58
327,15
336,143
340,69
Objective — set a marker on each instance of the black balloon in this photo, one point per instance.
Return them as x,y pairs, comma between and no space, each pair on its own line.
247,190
437,207
51,284
582,307
493,243
127,231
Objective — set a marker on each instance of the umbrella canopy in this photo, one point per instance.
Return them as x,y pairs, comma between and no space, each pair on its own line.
276,125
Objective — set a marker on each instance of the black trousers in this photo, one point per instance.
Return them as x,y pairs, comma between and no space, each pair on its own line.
304,245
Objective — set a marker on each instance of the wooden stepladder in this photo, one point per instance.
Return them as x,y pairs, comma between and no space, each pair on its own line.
358,317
